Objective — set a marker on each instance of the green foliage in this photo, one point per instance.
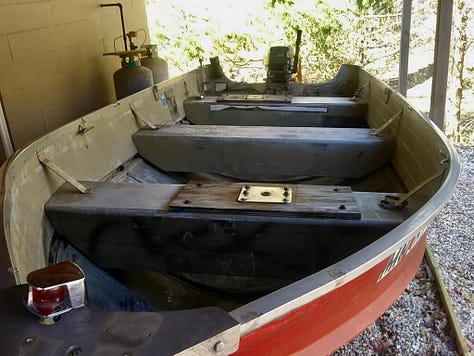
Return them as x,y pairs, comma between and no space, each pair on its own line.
273,3
364,32
322,37
328,38
376,6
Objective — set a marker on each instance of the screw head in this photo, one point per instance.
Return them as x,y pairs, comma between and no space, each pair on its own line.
219,346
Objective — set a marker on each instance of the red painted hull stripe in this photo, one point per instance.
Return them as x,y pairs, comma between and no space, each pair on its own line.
330,321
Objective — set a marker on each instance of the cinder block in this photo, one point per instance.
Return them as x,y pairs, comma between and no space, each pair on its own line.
16,75
14,103
39,94
5,56
80,63
70,108
19,1
108,88
107,66
21,102
48,64
11,19
59,113
25,129
56,37
55,69
81,31
90,98
66,11
36,15
26,45
72,58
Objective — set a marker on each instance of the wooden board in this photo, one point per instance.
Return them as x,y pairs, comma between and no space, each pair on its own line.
321,201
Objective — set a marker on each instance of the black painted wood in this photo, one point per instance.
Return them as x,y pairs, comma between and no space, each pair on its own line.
130,226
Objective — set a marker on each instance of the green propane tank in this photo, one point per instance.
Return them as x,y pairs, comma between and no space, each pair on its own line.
132,77
157,65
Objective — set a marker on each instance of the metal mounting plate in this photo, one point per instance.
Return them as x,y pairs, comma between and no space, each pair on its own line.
265,194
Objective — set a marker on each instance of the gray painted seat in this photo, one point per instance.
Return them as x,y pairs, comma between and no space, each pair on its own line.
264,152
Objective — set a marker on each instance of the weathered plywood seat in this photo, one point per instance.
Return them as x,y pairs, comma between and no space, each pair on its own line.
262,151
276,110
201,228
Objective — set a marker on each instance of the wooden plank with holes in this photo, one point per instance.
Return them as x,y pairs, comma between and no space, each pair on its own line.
311,200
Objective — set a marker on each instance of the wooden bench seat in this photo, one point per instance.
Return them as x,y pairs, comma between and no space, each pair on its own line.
140,226
264,153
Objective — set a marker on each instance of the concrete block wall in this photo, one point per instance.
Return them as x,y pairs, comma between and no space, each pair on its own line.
51,65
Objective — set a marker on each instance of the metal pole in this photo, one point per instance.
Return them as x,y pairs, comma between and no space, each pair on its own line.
404,48
441,62
124,35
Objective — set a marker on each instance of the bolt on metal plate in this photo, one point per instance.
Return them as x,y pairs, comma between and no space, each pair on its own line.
265,194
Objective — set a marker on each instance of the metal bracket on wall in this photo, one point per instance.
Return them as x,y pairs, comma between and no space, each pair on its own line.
60,172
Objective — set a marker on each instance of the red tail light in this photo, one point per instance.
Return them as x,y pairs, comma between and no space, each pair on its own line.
56,289
48,301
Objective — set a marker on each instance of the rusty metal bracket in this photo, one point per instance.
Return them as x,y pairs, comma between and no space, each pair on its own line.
357,92
400,201
387,92
140,117
155,92
82,128
387,123
60,172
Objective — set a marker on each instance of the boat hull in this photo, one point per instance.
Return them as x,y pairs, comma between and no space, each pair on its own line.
328,322
317,312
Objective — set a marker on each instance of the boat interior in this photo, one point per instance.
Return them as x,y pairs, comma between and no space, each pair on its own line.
247,192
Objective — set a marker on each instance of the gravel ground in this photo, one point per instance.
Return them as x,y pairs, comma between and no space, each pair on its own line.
416,323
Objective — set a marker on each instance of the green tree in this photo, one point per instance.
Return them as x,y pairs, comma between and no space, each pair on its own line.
364,32
460,124
324,36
